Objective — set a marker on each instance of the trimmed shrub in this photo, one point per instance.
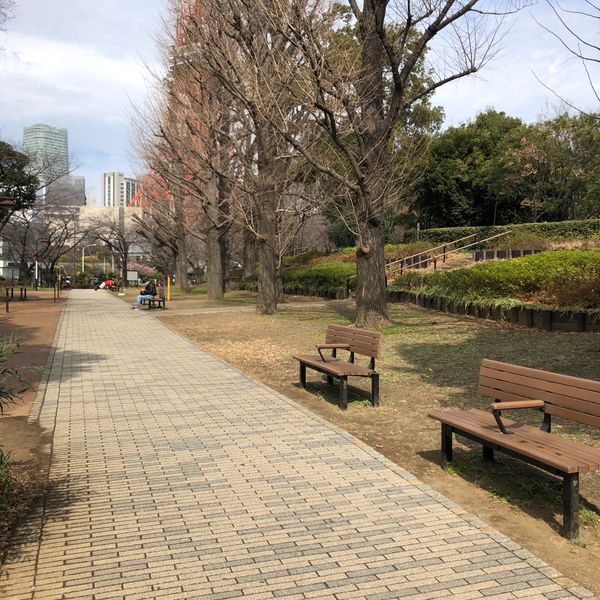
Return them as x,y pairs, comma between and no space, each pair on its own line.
325,277
561,230
519,278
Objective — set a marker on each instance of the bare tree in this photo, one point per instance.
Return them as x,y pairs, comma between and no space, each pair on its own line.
182,136
118,231
6,12
359,69
43,234
234,62
585,49
161,223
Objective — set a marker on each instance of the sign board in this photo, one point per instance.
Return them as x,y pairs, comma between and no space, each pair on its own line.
132,276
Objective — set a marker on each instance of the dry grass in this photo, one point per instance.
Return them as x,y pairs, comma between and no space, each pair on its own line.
430,360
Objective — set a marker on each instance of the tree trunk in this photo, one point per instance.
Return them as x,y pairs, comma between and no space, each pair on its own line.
268,273
371,300
375,160
249,266
224,191
266,221
214,260
181,269
124,260
214,265
181,258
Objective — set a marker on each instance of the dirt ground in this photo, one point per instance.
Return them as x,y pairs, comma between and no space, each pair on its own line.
427,359
430,360
34,323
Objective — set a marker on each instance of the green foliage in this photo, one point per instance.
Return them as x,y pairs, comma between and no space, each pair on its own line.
303,259
339,235
8,347
511,278
523,233
455,188
497,170
330,277
16,182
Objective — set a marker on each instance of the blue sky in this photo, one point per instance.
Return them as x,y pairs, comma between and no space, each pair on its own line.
79,64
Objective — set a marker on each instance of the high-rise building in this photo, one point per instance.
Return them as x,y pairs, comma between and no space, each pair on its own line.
48,150
118,190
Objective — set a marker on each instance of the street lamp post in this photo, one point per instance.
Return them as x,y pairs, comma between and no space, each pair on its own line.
83,249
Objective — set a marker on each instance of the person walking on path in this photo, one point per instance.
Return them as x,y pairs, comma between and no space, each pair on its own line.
147,294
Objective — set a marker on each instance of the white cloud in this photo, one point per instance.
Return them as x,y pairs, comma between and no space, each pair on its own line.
527,76
78,64
60,79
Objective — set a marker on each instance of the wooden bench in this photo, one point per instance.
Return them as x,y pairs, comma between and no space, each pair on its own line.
516,388
157,302
355,341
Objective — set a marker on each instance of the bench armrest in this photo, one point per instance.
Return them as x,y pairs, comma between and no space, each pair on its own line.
331,347
516,405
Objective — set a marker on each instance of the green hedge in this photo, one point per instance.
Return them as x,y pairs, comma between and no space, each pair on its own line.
330,277
562,230
324,277
561,269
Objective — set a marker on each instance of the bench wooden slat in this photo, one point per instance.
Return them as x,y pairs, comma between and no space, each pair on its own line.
367,343
548,388
587,413
575,382
335,366
578,451
572,415
520,440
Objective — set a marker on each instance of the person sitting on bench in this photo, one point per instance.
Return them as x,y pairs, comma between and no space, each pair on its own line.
147,294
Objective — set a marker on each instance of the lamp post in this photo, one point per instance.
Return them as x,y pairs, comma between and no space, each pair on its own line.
83,249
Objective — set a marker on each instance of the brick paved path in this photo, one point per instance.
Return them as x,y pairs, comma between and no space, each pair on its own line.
179,477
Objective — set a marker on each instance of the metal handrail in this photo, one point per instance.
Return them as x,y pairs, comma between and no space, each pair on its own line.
466,237
444,253
401,260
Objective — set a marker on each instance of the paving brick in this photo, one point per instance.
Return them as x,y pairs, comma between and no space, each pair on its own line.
180,477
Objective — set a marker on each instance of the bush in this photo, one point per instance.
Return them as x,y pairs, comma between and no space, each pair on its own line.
325,277
8,347
521,278
561,230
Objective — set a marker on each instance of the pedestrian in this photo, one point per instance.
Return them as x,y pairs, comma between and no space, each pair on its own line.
147,294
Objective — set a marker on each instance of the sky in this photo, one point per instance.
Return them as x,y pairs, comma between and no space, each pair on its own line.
81,64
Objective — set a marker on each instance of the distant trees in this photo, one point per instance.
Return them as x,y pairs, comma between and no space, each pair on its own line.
18,185
498,170
118,233
272,108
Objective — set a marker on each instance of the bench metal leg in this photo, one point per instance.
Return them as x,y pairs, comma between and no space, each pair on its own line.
488,453
302,375
571,505
343,392
375,389
446,443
